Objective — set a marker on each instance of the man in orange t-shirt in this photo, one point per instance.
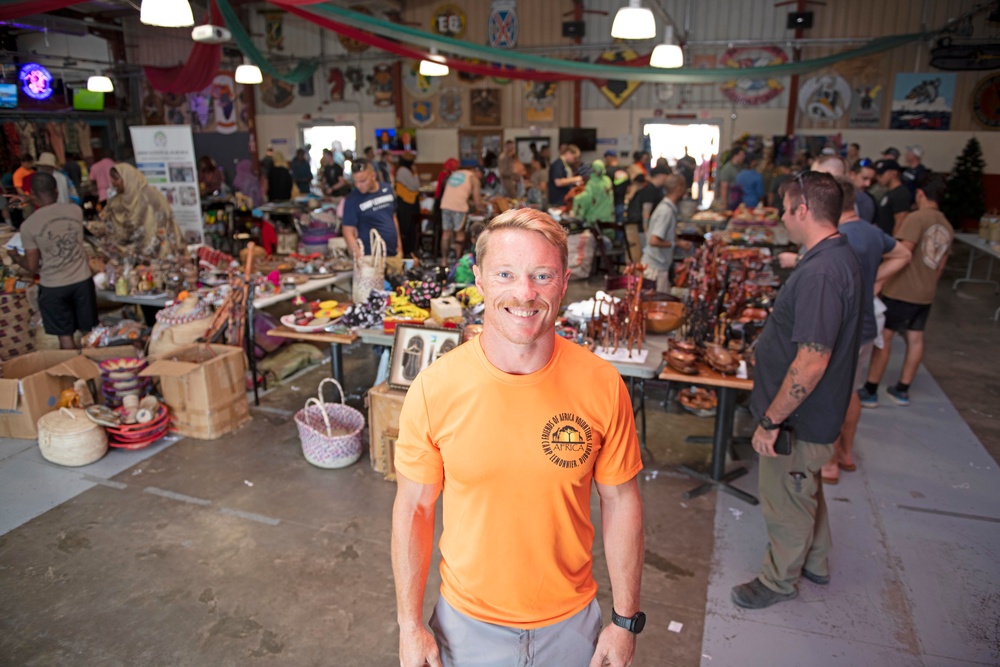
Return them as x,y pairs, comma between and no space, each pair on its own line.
22,173
515,427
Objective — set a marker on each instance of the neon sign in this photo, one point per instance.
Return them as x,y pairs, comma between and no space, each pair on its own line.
36,81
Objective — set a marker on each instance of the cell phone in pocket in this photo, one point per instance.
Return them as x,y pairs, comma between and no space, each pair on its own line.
786,437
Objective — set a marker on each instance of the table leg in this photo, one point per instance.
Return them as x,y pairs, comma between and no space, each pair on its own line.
724,415
968,273
337,363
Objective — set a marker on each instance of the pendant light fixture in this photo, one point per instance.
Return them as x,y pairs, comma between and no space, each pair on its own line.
166,13
248,73
433,65
632,22
668,54
100,84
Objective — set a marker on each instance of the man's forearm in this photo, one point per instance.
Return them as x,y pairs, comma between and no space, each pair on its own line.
803,375
412,542
624,546
351,239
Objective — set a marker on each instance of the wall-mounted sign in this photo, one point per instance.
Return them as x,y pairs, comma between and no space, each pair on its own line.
617,90
825,97
36,81
747,91
866,106
922,101
502,25
986,101
448,21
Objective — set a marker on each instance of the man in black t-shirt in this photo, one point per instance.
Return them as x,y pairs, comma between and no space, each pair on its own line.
805,361
915,170
897,200
641,206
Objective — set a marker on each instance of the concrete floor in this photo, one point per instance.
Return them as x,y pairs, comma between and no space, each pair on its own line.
237,551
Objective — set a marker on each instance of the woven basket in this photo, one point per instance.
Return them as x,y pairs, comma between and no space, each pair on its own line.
69,438
316,422
174,329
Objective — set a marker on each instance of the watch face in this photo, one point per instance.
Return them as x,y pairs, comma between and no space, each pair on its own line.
640,623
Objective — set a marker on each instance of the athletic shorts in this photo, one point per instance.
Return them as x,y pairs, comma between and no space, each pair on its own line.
452,220
68,309
463,640
905,316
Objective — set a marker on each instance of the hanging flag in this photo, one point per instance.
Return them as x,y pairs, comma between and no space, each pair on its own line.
502,25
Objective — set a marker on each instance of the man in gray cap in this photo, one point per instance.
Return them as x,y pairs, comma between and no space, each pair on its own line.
915,170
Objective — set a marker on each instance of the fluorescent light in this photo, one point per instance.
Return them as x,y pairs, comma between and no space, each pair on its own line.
433,65
632,22
668,54
100,84
166,13
248,74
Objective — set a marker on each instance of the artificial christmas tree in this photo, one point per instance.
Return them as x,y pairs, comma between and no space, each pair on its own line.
963,202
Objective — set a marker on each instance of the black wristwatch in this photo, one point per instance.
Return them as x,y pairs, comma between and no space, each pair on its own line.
768,425
633,624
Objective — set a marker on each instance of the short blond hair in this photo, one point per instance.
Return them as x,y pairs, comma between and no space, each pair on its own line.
530,220
573,150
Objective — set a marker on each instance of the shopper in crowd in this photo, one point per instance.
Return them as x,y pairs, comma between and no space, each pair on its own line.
727,194
279,179
52,238
862,175
247,182
805,361
661,237
26,169
73,170
782,174
211,177
138,218
538,183
597,201
562,175
685,168
853,154
66,192
880,257
915,170
463,185
5,214
647,193
877,190
516,563
489,178
332,179
897,200
407,191
511,170
383,166
639,166
266,164
370,205
908,295
750,183
100,175
701,175
619,184
546,156
302,173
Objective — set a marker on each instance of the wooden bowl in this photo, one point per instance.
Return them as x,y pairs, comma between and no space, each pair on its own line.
663,316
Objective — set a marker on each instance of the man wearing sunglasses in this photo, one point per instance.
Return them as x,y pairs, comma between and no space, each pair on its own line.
805,361
863,175
370,205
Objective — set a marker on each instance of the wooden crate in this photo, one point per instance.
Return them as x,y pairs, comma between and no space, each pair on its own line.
384,405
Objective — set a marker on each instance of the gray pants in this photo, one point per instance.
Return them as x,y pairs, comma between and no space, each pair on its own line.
465,642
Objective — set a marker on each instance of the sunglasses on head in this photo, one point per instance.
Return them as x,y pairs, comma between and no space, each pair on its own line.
865,162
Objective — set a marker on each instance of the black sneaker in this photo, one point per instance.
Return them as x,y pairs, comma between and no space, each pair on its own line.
818,579
755,595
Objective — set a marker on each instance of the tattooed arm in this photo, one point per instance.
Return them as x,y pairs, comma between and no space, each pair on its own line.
802,377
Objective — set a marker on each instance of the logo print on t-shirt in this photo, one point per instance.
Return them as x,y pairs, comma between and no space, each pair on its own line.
567,440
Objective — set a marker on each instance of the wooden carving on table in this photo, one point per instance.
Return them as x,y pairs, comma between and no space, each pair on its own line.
621,323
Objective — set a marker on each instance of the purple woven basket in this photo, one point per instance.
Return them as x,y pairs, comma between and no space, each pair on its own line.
316,421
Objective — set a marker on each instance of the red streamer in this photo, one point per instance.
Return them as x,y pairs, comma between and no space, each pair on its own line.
16,10
194,75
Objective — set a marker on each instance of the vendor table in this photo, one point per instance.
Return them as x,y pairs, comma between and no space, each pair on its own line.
726,386
978,244
334,339
637,373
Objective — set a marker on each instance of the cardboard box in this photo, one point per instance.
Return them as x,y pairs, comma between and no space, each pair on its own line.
31,384
204,387
384,405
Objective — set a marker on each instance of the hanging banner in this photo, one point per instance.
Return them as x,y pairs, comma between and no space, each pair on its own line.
825,97
224,103
541,98
923,101
274,30
448,21
986,101
165,156
866,106
502,24
751,92
616,90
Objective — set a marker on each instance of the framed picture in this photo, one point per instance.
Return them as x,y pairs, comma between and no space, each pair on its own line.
416,348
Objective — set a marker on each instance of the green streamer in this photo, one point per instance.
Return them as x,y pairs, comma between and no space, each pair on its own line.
449,45
302,72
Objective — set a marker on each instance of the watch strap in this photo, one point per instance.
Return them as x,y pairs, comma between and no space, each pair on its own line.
633,624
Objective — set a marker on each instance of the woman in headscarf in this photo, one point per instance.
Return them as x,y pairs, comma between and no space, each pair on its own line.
597,201
246,182
279,179
138,218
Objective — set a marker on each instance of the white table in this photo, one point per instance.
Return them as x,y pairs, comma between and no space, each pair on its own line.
980,245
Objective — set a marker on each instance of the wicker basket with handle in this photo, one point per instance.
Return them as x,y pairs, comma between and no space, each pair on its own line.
69,438
330,432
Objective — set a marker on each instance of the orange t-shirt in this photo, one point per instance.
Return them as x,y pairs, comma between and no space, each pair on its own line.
517,455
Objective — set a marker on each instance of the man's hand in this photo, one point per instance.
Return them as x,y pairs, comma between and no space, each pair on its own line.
418,648
763,441
615,647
